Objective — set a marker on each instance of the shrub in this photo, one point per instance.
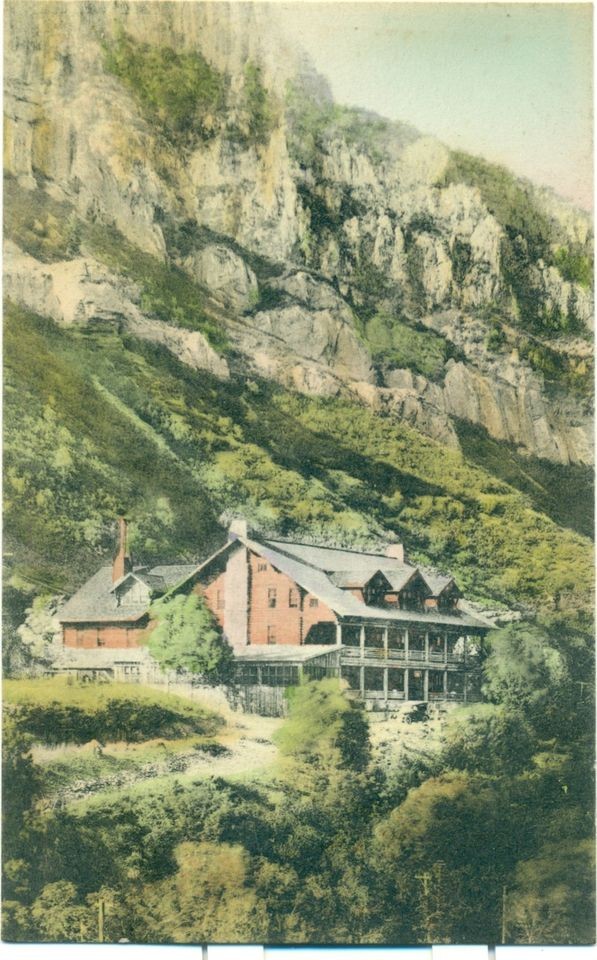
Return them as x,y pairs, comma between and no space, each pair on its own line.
54,711
188,638
180,90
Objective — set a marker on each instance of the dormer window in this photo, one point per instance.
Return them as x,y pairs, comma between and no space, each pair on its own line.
376,589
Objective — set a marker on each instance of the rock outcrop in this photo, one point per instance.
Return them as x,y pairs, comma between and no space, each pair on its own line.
82,292
340,215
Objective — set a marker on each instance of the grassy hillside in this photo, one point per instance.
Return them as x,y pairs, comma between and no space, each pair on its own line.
96,409
57,710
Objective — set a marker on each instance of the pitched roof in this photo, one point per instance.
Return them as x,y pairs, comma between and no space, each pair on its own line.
398,578
322,571
334,559
173,573
96,602
150,580
299,562
438,583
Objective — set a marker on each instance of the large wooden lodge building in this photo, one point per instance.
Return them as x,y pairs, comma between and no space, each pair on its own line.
393,631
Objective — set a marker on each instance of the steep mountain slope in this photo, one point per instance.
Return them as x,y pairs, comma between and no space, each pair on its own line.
197,236
432,284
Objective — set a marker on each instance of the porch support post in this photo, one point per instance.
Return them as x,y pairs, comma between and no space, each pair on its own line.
338,632
406,683
385,685
385,643
426,647
362,641
362,681
445,647
406,645
464,686
425,685
465,649
445,684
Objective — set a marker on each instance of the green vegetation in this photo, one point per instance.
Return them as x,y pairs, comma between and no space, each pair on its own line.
52,231
187,637
58,710
167,294
258,105
327,852
76,402
402,345
575,264
530,235
39,225
182,92
187,98
508,198
315,120
543,482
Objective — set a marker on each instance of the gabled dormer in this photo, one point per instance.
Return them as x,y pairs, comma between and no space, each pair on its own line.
136,589
376,590
411,589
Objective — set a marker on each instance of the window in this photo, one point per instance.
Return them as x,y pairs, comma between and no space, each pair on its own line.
293,597
261,567
313,602
131,669
79,637
220,599
271,634
271,597
101,640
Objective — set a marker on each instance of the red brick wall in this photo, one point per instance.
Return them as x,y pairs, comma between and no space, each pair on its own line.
214,596
287,625
111,635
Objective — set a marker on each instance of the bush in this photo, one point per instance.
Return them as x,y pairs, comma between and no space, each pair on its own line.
575,264
180,90
187,637
54,711
402,345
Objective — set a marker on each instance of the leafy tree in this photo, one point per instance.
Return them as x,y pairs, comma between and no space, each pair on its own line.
553,900
523,667
323,826
451,835
188,638
209,898
24,780
59,916
489,739
324,734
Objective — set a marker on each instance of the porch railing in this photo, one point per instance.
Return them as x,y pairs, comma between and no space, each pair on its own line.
414,656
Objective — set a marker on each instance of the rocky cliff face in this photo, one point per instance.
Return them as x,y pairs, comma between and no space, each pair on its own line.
299,222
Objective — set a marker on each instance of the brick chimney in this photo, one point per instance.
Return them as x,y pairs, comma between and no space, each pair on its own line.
395,551
122,561
238,528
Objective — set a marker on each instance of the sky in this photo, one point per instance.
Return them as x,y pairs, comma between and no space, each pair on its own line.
511,82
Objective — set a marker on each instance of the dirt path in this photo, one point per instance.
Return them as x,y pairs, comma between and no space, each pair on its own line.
244,747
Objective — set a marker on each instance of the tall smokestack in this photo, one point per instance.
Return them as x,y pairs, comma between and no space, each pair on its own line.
122,561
